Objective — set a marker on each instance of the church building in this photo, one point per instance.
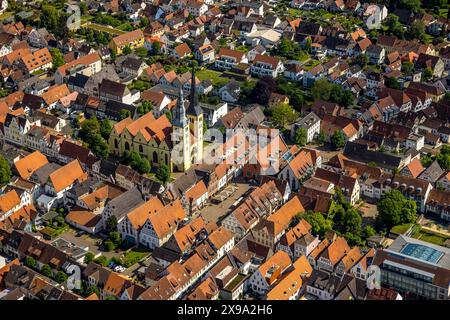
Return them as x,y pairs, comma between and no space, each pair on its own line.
177,144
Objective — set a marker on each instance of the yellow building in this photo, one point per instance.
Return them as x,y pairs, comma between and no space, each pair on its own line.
178,144
134,39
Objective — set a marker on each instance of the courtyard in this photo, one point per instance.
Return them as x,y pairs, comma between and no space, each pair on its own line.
217,211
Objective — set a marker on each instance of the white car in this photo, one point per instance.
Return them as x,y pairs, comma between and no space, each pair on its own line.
119,269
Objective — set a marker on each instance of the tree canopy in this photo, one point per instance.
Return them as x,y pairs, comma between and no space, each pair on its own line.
57,58
163,173
135,161
91,134
443,158
325,90
301,136
5,171
282,114
320,225
395,209
263,89
337,140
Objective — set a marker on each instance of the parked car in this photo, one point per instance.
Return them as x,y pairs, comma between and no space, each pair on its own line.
119,268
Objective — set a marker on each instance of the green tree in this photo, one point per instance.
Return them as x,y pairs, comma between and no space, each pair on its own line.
413,5
30,262
156,47
337,140
46,270
89,128
163,174
297,99
321,89
443,158
135,161
49,18
290,50
416,30
105,129
126,50
395,209
83,8
321,137
115,238
347,98
392,83
407,67
91,134
101,261
426,160
336,93
301,136
109,246
319,224
5,171
61,277
124,113
113,59
111,298
89,257
282,114
427,74
145,107
111,223
362,60
308,44
393,25
352,221
368,232
57,58
90,36
91,290
99,146
144,22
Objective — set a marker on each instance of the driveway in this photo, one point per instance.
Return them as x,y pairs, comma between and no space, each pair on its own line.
87,240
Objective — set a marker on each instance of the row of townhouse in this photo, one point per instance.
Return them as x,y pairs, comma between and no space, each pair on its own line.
46,184
262,65
181,276
261,202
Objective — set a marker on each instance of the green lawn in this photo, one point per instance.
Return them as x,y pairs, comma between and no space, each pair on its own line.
133,256
99,27
310,64
55,231
215,77
139,85
430,237
401,229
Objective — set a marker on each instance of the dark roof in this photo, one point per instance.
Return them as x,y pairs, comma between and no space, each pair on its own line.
79,80
112,87
132,63
124,203
193,108
75,151
361,153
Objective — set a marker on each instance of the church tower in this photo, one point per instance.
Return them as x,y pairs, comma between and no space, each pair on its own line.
195,116
181,153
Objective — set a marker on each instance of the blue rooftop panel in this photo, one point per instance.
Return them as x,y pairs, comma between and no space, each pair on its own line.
422,252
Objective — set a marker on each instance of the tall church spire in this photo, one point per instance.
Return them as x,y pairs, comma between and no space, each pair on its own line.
193,109
179,115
